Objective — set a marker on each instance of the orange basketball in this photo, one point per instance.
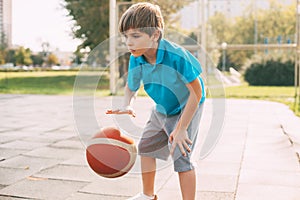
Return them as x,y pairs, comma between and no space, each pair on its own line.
111,154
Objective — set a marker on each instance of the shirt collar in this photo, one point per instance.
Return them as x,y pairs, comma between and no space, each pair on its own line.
159,54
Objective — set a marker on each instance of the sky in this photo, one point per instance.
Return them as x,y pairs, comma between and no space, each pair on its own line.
38,21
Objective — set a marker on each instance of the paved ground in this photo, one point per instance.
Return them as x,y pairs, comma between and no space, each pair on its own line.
42,157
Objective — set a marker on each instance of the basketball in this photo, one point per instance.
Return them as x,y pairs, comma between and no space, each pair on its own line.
111,154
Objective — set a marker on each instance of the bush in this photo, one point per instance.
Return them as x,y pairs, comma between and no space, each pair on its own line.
271,73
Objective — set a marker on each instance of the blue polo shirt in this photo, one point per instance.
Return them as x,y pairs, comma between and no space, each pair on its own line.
165,82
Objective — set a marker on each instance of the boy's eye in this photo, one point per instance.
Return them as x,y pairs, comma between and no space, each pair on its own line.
125,36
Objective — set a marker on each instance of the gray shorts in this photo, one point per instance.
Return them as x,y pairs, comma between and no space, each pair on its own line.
155,139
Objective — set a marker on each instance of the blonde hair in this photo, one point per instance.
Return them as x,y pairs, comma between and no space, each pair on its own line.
146,17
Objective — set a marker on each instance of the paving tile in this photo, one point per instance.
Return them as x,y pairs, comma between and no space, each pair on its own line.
217,183
276,138
263,192
68,172
9,198
171,183
8,153
271,162
169,194
270,177
6,139
119,186
252,147
46,138
50,152
69,128
220,156
217,168
12,123
71,144
4,129
43,189
78,159
215,195
176,194
18,144
86,196
19,134
29,163
296,148
63,134
11,175
228,137
207,182
44,126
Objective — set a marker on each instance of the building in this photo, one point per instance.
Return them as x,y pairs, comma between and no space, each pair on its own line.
190,17
6,22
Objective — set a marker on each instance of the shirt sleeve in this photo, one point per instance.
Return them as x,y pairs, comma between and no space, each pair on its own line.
189,67
134,74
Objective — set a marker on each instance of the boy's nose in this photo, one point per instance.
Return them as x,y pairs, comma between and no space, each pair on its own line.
128,42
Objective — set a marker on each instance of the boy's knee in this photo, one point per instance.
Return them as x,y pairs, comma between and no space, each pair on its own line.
183,164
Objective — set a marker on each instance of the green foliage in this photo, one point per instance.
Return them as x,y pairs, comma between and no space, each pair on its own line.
52,59
10,56
91,18
3,47
271,73
168,8
22,56
228,62
78,56
278,20
37,59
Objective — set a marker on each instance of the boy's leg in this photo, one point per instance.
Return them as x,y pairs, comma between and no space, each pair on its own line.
182,164
148,174
188,184
153,144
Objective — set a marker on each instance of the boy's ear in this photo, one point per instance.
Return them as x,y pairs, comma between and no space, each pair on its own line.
156,35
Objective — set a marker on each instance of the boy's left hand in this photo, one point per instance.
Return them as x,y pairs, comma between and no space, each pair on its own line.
127,110
180,138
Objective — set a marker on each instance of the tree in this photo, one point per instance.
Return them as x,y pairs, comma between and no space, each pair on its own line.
37,59
22,56
277,20
221,27
10,56
228,63
52,59
3,47
91,18
78,56
169,9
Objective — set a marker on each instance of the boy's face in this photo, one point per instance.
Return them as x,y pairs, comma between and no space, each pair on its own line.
139,43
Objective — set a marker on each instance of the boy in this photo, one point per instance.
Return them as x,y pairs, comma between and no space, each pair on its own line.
171,77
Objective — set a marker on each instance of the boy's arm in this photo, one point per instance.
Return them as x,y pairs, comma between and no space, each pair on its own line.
129,97
179,135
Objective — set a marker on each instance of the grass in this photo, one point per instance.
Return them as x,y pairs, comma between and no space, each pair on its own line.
62,83
260,92
50,82
282,94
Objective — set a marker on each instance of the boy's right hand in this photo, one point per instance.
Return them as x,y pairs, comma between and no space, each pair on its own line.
128,110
